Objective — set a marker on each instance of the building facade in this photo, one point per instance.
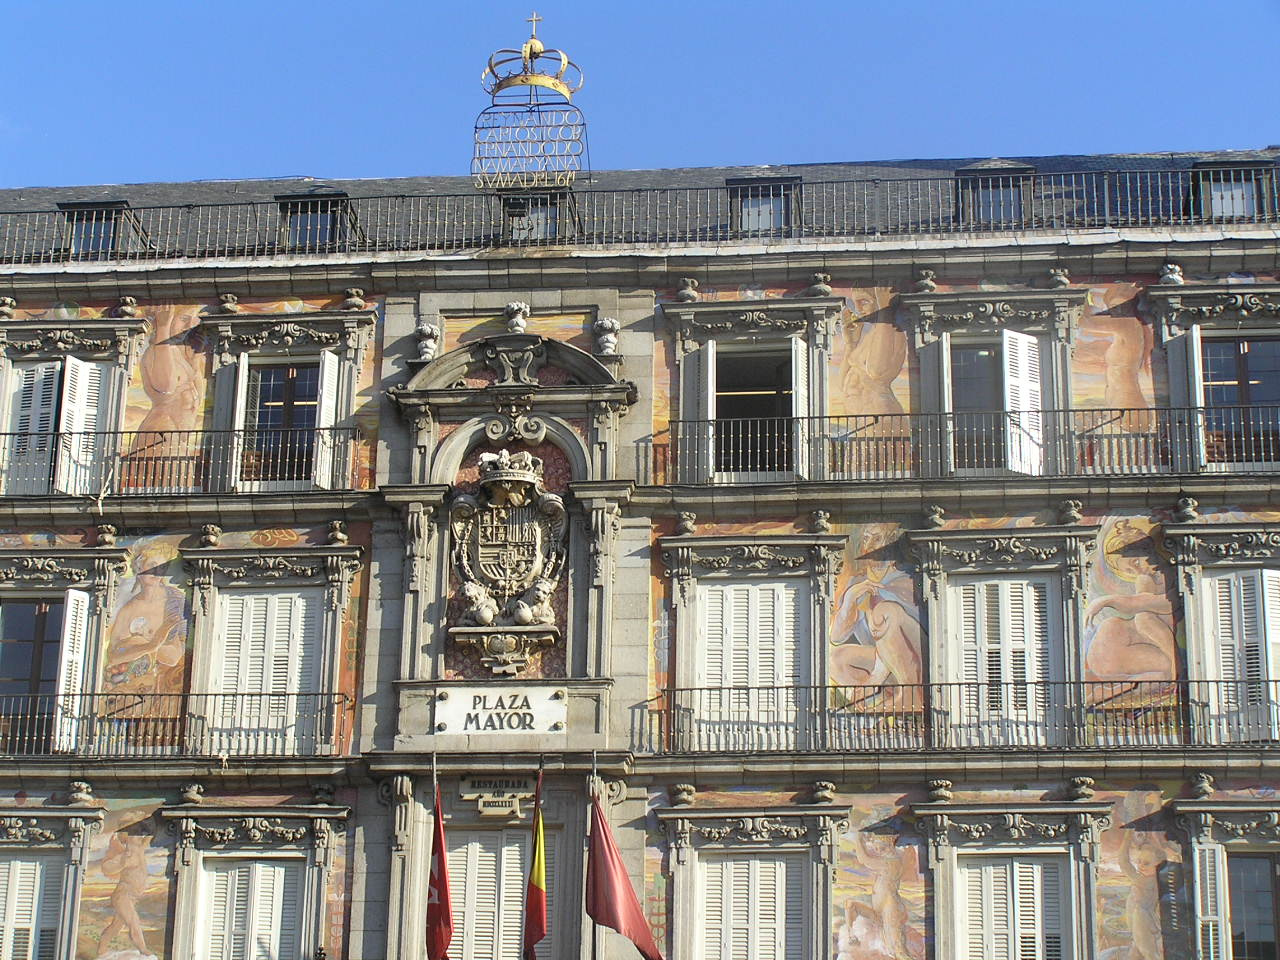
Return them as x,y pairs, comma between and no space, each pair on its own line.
899,544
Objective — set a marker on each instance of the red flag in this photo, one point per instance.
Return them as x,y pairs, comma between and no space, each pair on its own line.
535,894
439,906
611,900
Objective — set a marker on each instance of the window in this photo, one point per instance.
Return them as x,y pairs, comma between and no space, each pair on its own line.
752,679
488,870
61,413
1014,908
1242,610
252,909
31,646
762,207
30,905
532,216
1239,191
285,415
1008,659
1241,383
996,405
994,193
1251,895
99,230
753,907
316,223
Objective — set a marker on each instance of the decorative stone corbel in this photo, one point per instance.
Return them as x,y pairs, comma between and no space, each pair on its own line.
819,287
1171,275
229,303
686,523
428,334
127,307
210,535
926,281
517,314
606,330
7,307
337,534
1186,510
820,521
396,793
107,533
1059,277
688,292
355,299
1070,512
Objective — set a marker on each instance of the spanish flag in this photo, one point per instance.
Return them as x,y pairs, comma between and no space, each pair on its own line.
535,894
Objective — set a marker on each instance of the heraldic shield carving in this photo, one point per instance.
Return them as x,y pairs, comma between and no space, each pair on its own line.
509,552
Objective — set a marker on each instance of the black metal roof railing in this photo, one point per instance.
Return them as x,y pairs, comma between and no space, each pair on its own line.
684,216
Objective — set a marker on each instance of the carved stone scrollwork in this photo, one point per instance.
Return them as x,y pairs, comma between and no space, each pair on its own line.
1056,311
1192,546
111,338
1228,822
334,566
397,794
508,550
939,553
71,826
515,358
290,826
700,321
1179,306
810,825
96,569
1077,823
514,422
237,332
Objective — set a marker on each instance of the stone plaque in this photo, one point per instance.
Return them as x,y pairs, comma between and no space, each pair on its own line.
502,708
498,795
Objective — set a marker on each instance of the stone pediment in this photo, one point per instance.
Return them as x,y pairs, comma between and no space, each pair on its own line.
728,319
288,333
1056,311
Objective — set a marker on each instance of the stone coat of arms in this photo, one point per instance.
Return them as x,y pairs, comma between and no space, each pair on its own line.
508,550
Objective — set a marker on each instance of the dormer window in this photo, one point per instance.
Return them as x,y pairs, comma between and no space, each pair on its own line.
993,193
762,206
98,229
313,222
1232,191
532,217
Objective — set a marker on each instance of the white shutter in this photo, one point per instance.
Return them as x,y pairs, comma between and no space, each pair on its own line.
488,870
83,413
235,450
1014,908
803,430
253,909
1244,608
30,907
1024,427
1210,876
73,656
1186,397
325,444
752,907
702,464
227,907
33,411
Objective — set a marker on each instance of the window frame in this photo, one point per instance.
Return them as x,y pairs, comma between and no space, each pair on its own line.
784,189
1258,178
214,570
972,200
811,830
803,327
304,832
556,208
342,228
64,831
1072,829
126,231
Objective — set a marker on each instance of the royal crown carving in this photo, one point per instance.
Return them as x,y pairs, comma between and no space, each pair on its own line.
508,552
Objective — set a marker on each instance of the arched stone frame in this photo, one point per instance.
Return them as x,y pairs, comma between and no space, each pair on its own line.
212,569
301,832
1185,316
514,410
806,325
37,573
1072,828
1196,549
245,339
57,829
812,829
937,319
1062,550
692,560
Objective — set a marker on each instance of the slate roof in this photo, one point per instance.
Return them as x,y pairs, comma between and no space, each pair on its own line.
238,191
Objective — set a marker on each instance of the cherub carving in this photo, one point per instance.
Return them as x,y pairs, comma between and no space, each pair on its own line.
534,605
481,609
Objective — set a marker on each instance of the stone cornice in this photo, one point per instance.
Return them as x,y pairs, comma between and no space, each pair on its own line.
296,826
815,826
1180,306
109,338
287,333
695,557
1228,821
1055,311
1192,546
773,317
939,553
333,566
95,569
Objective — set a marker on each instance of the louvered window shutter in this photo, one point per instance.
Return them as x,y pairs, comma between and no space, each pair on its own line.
752,907
488,870
243,423
1014,908
33,411
1245,610
802,432
83,414
1210,870
276,931
1024,428
72,665
30,906
326,450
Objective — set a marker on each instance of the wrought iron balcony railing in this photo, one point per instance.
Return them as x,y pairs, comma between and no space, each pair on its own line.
165,462
1153,715
1057,443
667,217
173,725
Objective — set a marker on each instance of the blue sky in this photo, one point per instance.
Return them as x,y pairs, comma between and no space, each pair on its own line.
141,90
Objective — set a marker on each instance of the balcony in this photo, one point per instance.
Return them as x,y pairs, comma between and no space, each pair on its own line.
177,462
1091,442
1157,715
687,216
136,725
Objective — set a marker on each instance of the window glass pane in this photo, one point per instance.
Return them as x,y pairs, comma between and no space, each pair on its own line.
976,378
763,211
1251,888
311,224
998,200
1221,372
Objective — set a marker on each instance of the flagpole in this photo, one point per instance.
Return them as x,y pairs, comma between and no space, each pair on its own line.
591,790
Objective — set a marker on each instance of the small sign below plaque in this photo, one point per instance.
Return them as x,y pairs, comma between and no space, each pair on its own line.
500,708
498,795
